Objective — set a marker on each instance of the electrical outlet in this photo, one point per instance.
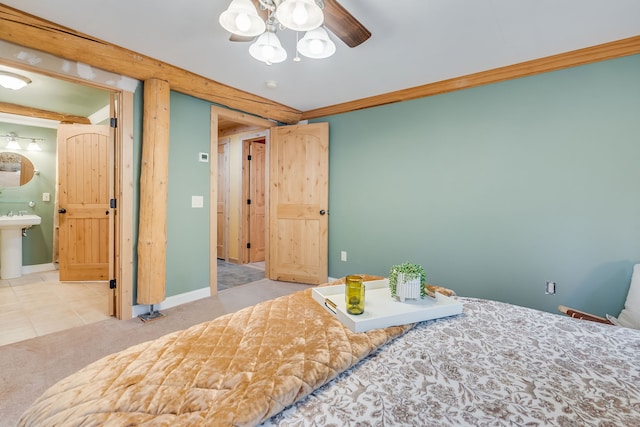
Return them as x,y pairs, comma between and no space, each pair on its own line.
550,288
343,256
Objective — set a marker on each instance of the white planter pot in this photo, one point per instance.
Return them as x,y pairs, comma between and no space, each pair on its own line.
407,289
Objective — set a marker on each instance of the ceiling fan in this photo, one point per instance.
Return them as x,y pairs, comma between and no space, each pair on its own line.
246,19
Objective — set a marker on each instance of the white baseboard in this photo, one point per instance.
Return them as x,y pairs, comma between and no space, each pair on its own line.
38,268
173,301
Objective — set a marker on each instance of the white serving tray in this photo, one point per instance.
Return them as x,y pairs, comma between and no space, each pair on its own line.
380,310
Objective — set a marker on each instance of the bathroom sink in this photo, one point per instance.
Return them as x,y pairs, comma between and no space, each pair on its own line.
11,243
19,221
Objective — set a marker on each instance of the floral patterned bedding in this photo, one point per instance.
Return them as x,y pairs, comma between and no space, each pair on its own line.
496,364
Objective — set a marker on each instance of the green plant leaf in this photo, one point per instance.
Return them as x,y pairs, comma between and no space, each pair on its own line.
409,270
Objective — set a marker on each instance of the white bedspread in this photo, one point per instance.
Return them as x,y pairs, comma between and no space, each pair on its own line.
496,364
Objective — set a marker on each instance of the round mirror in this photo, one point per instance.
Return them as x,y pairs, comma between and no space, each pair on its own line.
15,169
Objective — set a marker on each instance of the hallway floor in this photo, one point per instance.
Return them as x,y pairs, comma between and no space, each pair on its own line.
38,304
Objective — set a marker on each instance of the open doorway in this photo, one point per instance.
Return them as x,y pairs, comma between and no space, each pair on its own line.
37,302
241,232
241,185
241,209
296,196
241,197
236,138
41,104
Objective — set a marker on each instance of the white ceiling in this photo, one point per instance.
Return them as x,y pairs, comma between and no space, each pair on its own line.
414,42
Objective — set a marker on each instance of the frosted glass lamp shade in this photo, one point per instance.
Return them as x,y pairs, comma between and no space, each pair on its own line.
300,15
267,48
316,44
13,144
13,81
33,146
241,18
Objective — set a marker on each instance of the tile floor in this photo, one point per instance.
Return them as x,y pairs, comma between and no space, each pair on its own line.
38,304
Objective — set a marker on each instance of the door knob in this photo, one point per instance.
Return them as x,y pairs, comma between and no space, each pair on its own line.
322,212
62,210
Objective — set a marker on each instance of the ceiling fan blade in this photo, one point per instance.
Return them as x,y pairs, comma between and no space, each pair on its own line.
264,13
343,24
237,38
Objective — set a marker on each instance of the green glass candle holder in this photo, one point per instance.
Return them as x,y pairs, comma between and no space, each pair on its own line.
354,294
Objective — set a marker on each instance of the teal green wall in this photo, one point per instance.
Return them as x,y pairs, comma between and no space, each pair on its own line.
187,266
497,189
187,227
37,247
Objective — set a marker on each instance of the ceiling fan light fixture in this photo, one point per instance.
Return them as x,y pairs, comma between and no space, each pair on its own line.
13,81
316,44
300,15
268,49
241,18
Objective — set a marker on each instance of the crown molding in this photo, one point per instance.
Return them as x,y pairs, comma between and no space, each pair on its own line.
601,52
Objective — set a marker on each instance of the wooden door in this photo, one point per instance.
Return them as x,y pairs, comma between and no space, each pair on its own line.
223,192
85,187
257,188
298,203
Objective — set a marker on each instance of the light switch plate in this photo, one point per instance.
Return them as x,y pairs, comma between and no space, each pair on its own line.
203,157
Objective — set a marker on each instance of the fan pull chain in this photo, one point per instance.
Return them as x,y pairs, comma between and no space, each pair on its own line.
297,57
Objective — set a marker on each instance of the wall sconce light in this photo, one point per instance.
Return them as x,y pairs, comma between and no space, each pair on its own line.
13,144
13,141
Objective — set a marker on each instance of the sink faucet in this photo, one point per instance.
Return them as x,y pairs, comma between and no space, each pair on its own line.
10,213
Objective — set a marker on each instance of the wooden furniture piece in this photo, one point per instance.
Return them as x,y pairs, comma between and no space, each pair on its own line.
629,317
577,314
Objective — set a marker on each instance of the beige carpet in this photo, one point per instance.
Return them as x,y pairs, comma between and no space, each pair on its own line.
28,368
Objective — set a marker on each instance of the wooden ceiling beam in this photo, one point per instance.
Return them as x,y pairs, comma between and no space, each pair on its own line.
20,110
27,30
602,52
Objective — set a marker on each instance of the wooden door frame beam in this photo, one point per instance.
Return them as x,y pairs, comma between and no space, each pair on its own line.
21,110
154,179
124,211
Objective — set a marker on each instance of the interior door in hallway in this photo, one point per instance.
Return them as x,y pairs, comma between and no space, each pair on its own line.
85,187
257,205
298,203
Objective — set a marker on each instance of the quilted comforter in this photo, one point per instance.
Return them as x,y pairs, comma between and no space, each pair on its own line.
236,370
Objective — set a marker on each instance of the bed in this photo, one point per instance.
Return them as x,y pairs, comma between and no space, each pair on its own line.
288,362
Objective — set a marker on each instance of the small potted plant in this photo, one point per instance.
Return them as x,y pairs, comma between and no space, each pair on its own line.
407,281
